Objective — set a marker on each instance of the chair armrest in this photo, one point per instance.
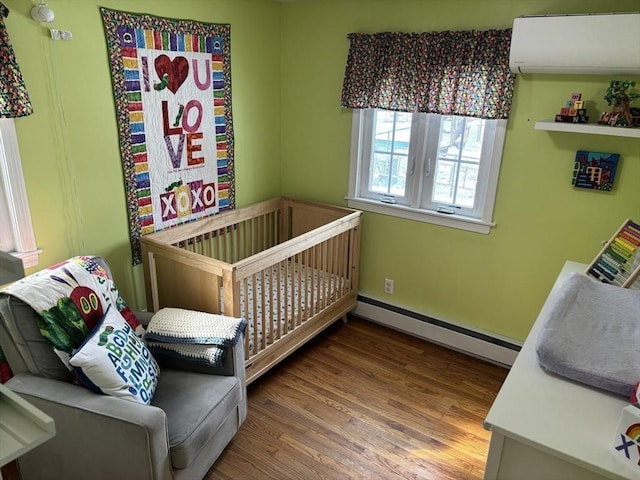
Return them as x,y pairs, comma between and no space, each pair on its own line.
232,362
131,437
233,365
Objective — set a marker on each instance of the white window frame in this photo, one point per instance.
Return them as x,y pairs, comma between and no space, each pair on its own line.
16,236
481,222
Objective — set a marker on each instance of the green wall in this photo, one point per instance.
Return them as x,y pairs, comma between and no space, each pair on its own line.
293,138
494,282
69,146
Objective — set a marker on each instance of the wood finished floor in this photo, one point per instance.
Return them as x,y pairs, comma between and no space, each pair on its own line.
365,402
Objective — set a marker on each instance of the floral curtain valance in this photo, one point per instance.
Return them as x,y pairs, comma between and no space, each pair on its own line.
450,73
14,99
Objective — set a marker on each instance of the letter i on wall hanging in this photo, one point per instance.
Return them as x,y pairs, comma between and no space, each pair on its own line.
172,89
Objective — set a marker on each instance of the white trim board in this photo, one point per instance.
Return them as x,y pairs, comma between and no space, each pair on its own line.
490,347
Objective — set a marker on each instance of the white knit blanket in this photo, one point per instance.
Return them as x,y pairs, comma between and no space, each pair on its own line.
190,335
177,325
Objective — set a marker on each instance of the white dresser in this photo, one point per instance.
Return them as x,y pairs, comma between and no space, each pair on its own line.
546,428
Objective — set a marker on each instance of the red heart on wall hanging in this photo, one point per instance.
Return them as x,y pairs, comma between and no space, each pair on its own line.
176,70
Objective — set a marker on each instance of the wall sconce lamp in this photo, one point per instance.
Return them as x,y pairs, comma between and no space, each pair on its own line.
42,13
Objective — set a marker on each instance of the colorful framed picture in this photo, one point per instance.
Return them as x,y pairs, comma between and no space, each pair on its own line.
594,170
172,89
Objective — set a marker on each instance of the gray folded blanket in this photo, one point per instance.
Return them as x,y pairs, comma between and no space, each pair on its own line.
592,335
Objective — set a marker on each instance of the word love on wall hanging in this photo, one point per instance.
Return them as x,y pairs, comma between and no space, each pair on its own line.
172,89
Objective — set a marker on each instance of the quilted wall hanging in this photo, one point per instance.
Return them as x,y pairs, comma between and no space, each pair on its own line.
172,89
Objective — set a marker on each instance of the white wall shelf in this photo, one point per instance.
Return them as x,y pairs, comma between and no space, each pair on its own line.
591,128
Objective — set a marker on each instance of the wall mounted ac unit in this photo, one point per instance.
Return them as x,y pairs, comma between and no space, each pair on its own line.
603,44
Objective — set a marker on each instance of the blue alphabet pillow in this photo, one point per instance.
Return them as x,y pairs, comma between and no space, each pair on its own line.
113,360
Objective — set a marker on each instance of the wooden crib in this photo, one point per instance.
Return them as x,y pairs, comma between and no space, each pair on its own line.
289,267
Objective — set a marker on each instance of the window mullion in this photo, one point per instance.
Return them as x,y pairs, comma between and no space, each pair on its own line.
432,134
418,154
458,164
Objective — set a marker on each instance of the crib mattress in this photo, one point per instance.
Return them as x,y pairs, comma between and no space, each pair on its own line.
285,292
592,335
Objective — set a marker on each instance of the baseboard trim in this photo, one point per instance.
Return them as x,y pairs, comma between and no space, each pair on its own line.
492,348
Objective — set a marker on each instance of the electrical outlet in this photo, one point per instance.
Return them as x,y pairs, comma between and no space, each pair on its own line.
388,286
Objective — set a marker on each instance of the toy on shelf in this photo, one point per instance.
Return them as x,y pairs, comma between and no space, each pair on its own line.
619,95
618,263
573,110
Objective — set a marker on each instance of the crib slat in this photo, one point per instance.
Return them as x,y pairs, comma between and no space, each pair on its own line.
275,313
279,298
223,244
311,265
254,236
269,299
339,267
274,229
262,300
265,232
320,271
257,331
226,245
306,287
299,292
295,266
345,262
287,295
243,239
244,312
217,244
332,287
354,253
314,280
293,300
325,273
233,243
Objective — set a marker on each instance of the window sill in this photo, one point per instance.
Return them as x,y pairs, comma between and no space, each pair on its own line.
11,267
29,259
426,216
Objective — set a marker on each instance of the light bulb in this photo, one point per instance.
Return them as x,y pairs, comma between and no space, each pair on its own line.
42,13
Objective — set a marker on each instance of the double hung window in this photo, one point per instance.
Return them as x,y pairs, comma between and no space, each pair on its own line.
434,168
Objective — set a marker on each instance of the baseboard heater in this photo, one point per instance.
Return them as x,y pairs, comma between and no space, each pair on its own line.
479,344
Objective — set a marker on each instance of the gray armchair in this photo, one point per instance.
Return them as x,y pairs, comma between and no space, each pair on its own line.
194,413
